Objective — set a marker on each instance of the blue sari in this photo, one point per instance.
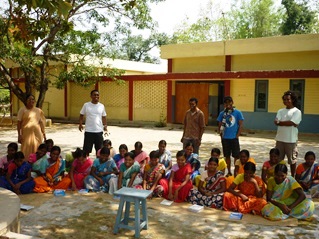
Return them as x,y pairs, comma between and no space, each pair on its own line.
18,175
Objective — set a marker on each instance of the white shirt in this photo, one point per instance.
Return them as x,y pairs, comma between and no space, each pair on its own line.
288,134
93,114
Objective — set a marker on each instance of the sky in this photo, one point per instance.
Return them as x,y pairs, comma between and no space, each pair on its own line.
170,13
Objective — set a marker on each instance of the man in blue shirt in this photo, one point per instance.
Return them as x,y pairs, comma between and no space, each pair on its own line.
230,122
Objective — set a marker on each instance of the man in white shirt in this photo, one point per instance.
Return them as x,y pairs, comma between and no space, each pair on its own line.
288,120
95,123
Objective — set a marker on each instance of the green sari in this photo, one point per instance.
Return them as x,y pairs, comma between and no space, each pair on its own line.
284,193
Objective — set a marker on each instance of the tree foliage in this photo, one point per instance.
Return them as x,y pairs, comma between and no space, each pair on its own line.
39,33
299,18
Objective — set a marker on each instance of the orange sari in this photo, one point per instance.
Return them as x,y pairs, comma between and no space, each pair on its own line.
53,172
234,203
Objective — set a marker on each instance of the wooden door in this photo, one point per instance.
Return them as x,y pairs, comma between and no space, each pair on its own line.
185,91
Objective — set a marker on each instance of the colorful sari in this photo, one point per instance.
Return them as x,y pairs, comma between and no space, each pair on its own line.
284,193
81,170
254,204
127,175
142,158
4,163
53,174
213,183
32,126
165,159
92,183
241,170
151,173
179,178
18,174
308,175
118,160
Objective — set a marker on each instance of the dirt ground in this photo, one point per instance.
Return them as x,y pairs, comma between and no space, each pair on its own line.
93,215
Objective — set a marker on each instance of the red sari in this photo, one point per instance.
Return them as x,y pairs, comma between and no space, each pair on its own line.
179,178
81,170
234,203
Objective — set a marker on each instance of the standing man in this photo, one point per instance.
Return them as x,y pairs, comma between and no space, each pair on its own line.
95,123
287,120
230,123
194,125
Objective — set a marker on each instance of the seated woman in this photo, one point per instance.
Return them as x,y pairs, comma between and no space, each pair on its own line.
36,160
103,169
177,187
210,195
80,169
244,157
222,165
286,198
54,173
249,196
307,174
153,172
129,175
268,169
192,159
119,158
108,144
18,178
140,156
165,157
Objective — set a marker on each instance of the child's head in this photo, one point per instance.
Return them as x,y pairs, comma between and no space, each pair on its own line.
180,158
18,158
79,154
215,153
161,146
55,153
274,156
107,143
189,148
154,158
123,149
12,148
49,143
281,171
244,156
104,154
310,158
129,159
249,170
42,150
212,164
138,147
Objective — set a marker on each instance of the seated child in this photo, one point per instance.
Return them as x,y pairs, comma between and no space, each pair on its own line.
54,177
49,143
129,175
177,187
12,148
307,174
211,187
80,169
165,157
108,144
18,178
119,158
103,169
268,169
153,172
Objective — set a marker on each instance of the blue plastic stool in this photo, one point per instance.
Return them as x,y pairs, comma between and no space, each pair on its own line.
128,196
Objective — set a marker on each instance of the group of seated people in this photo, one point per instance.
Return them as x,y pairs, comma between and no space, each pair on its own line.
274,195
